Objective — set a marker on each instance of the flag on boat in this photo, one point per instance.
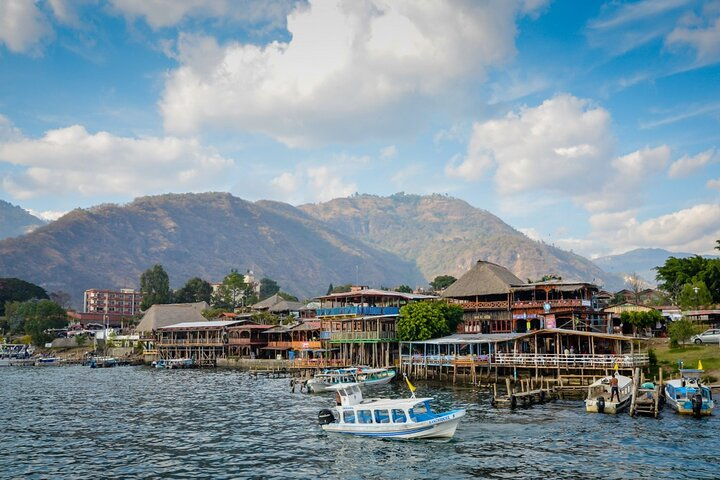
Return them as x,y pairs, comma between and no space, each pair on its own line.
410,385
700,365
617,367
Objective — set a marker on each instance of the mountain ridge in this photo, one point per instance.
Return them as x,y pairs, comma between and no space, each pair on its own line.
15,220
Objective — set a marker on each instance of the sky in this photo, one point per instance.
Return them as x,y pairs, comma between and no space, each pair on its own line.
593,126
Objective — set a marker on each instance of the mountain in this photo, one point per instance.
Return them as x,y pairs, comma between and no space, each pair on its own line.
446,236
206,235
15,221
640,261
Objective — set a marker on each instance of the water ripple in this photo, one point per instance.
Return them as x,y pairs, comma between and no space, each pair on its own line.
136,422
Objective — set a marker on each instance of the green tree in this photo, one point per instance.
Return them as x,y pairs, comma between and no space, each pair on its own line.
34,317
81,339
441,282
288,297
212,313
16,290
404,289
232,292
342,288
195,290
265,318
689,298
330,289
155,287
640,320
677,272
680,331
426,320
268,288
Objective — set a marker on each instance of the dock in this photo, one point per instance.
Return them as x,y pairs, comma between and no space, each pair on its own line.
645,400
523,393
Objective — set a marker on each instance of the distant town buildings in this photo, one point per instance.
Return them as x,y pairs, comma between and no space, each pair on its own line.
124,302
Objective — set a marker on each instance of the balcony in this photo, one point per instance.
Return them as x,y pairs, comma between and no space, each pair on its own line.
494,305
575,302
167,342
340,336
356,311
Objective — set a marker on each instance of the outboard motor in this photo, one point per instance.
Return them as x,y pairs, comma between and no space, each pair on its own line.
600,402
325,416
697,402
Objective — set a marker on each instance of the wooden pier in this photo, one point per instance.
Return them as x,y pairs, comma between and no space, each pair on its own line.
646,400
523,394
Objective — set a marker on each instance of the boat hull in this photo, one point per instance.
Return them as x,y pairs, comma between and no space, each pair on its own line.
443,426
610,407
684,406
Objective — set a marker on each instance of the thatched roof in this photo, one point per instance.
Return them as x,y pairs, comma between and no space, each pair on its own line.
277,304
159,316
484,278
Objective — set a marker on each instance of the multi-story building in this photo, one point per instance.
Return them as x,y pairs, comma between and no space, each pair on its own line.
125,302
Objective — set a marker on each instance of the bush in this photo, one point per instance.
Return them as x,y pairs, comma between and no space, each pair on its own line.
652,357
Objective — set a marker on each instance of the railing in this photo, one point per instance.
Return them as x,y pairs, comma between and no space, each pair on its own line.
575,302
494,305
363,335
347,311
205,343
446,360
246,341
532,360
572,361
280,344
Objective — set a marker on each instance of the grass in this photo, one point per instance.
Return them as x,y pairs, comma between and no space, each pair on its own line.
690,355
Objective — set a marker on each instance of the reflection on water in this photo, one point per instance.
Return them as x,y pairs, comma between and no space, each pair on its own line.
137,422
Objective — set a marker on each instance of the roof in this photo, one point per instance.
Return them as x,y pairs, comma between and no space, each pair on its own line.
159,316
268,302
504,337
206,325
556,284
250,326
627,307
286,306
306,326
372,292
485,278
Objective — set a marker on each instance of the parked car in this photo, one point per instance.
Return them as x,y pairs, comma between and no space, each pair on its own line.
708,336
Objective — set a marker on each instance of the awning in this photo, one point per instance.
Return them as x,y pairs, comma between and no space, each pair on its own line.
275,348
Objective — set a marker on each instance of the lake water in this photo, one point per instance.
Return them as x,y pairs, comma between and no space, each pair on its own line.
138,422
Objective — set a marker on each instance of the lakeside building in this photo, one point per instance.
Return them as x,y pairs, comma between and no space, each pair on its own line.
204,341
360,326
125,301
543,352
277,305
163,315
108,308
484,293
300,340
246,340
494,300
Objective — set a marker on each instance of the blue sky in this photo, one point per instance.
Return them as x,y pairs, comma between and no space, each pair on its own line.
593,126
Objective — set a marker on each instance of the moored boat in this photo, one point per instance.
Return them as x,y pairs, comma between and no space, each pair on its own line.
366,376
48,362
174,363
686,395
103,362
600,398
402,418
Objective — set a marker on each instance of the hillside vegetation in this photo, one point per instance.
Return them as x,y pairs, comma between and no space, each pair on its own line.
445,235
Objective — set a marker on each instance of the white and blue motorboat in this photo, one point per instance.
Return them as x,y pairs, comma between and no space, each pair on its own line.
402,418
174,363
687,395
365,376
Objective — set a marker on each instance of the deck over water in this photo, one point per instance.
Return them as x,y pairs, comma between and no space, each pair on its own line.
224,424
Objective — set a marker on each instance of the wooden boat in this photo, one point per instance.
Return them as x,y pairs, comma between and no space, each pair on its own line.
600,392
402,418
686,395
365,376
103,362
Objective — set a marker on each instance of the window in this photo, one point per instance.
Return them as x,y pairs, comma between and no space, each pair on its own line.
364,416
382,416
349,416
398,416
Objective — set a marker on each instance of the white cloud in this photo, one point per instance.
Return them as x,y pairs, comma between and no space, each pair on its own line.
48,215
7,130
352,70
317,182
22,26
688,165
702,34
694,229
713,183
71,161
388,152
168,13
531,233
549,147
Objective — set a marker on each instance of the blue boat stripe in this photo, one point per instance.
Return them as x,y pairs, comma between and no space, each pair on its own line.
388,434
